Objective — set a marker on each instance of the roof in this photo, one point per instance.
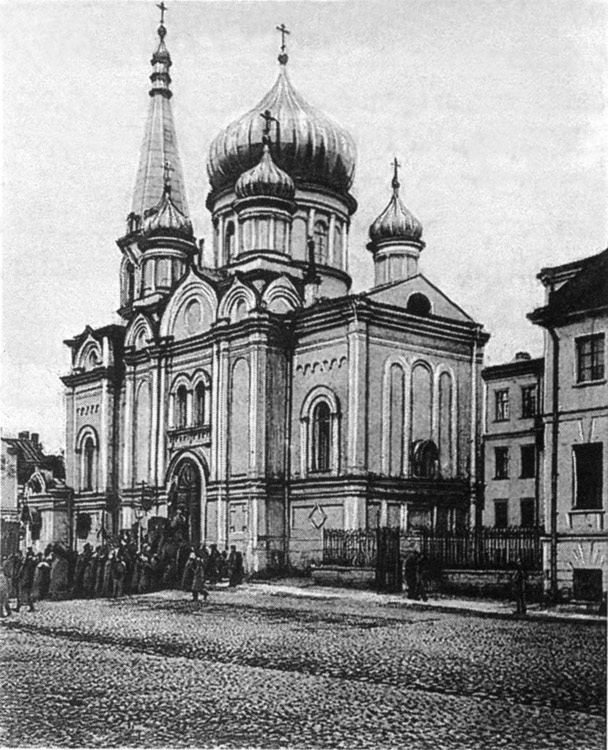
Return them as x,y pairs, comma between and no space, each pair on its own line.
30,452
585,293
517,367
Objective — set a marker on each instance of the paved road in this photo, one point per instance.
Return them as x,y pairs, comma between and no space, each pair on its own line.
253,669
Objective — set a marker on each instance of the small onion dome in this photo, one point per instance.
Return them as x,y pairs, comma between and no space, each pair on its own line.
396,222
166,218
309,145
265,179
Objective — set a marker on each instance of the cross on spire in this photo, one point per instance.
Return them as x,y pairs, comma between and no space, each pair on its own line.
396,166
268,118
162,7
284,30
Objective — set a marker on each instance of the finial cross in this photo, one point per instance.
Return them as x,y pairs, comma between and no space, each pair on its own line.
268,118
283,29
162,7
396,166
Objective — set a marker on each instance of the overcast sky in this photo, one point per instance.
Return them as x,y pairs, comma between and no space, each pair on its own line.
497,111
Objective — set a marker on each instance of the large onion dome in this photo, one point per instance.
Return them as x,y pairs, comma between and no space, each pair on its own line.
265,179
396,222
308,144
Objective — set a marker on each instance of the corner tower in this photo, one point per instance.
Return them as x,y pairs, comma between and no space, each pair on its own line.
159,244
253,233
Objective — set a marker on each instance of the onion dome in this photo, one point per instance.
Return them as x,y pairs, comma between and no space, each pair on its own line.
265,179
159,144
396,222
308,145
166,218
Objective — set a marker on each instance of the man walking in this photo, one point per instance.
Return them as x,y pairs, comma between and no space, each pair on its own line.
518,583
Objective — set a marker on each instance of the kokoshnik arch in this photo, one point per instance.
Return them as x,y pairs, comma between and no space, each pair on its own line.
257,397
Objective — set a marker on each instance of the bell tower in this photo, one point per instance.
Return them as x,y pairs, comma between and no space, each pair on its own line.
159,243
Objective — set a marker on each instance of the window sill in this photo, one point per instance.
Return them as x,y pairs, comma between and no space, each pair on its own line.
581,511
500,479
587,383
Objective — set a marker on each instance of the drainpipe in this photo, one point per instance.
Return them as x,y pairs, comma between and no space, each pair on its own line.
287,459
554,464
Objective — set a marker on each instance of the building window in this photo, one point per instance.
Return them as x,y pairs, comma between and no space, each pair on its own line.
502,405
229,242
425,460
501,463
588,475
528,401
590,358
587,584
501,514
88,477
526,506
181,407
528,461
321,235
199,404
321,437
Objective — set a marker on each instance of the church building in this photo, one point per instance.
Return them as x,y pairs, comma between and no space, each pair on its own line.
258,397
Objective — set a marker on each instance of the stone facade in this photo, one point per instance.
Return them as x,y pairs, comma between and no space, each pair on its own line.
257,395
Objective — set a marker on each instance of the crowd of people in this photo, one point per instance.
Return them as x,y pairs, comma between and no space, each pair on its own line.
116,568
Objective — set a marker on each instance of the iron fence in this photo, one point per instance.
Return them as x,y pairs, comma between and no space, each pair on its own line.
472,549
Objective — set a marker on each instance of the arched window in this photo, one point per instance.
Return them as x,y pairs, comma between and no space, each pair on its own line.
129,282
419,304
425,460
199,404
181,407
321,437
88,474
320,237
229,240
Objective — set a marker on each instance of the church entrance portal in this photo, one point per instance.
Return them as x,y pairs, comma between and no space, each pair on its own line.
185,501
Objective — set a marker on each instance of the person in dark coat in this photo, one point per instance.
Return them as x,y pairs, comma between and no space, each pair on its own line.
518,584
82,561
5,590
411,563
235,564
214,563
198,580
58,586
11,568
42,578
90,575
189,572
25,582
421,574
118,572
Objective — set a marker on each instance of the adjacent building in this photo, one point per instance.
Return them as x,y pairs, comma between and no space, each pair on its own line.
512,443
575,477
255,395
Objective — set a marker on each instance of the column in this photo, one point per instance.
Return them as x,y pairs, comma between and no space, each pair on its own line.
330,240
128,432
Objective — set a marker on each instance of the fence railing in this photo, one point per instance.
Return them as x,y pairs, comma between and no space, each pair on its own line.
474,549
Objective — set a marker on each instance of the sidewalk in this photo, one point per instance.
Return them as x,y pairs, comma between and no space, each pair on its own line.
302,588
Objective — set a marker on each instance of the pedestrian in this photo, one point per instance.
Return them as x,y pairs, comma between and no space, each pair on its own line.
421,574
42,578
235,561
198,580
58,586
411,564
518,585
5,590
26,580
118,572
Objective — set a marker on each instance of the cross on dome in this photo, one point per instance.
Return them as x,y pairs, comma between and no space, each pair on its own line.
283,58
162,7
396,166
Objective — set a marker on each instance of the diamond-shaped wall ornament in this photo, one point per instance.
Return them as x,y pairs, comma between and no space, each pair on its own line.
317,516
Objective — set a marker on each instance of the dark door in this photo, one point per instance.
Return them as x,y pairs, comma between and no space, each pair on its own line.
189,500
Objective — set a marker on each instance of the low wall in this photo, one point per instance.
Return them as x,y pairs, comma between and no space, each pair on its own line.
493,584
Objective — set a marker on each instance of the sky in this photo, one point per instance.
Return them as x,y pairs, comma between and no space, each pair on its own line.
497,111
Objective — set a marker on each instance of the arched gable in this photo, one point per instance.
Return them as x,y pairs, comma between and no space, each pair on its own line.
192,309
90,355
318,393
238,299
197,455
140,333
280,296
201,376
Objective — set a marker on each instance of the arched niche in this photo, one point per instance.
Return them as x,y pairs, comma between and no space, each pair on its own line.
280,296
191,311
237,302
139,334
90,355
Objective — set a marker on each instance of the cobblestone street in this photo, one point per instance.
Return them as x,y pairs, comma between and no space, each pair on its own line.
253,668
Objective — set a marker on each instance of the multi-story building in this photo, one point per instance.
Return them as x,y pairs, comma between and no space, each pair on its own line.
575,479
256,396
512,442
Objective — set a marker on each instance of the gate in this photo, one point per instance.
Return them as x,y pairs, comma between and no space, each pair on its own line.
389,575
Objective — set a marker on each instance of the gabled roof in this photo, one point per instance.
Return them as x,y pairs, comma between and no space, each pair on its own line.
585,293
28,451
398,292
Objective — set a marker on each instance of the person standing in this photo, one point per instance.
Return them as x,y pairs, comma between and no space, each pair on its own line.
198,580
411,564
4,594
421,573
518,583
25,582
